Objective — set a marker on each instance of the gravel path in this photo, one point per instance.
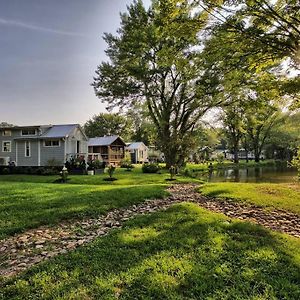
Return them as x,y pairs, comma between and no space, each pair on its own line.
19,252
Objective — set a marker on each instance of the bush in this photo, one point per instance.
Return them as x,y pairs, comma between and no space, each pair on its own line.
76,163
48,172
126,163
5,171
150,168
30,170
296,162
111,170
220,158
96,164
53,162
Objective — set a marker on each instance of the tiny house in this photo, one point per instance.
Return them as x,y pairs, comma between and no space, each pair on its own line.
41,145
138,152
110,149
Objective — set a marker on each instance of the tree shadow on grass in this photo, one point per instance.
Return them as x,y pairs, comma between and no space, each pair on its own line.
183,253
26,209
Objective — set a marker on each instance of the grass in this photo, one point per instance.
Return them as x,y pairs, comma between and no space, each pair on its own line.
29,201
135,177
270,195
30,205
183,253
228,164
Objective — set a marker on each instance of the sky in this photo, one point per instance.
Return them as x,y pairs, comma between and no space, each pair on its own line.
49,51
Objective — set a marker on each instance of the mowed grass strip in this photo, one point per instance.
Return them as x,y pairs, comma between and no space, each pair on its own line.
26,205
270,195
134,177
185,252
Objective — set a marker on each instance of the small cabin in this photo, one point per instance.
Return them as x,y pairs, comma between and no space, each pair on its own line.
138,152
109,149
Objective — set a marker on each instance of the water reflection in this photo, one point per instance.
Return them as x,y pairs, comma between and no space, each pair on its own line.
253,174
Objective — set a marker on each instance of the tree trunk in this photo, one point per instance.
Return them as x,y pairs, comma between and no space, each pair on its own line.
236,154
171,155
256,156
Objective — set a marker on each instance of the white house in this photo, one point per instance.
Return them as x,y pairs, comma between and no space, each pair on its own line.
138,152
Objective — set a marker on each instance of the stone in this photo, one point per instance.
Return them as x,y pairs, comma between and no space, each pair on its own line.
39,242
22,265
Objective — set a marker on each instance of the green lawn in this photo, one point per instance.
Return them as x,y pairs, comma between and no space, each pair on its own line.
183,253
135,177
228,164
271,195
29,201
29,205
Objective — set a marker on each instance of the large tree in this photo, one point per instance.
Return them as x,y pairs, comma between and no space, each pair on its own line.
260,121
108,124
283,142
154,60
232,118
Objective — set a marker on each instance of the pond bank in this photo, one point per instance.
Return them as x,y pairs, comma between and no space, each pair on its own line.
265,171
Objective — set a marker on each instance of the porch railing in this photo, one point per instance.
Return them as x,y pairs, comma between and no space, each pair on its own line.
106,157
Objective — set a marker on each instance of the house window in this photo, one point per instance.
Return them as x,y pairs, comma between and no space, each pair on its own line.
6,146
6,133
28,132
51,143
27,149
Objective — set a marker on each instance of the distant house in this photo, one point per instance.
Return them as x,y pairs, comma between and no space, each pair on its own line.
138,152
110,149
41,145
242,154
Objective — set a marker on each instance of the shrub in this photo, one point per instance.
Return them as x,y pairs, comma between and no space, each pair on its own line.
53,162
296,162
220,158
150,168
126,163
111,170
28,170
77,163
48,172
96,164
5,171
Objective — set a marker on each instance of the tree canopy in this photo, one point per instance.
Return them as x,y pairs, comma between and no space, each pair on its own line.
154,60
178,59
108,124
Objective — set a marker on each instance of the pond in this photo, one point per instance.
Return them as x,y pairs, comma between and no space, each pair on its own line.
275,174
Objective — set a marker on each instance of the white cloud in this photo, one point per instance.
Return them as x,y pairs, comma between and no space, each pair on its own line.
19,24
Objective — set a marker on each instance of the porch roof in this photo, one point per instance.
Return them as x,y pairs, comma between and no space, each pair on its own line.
104,140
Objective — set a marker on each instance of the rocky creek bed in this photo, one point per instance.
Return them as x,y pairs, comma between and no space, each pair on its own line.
20,252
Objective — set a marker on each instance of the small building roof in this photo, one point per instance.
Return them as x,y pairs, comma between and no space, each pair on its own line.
59,131
136,145
104,140
20,127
